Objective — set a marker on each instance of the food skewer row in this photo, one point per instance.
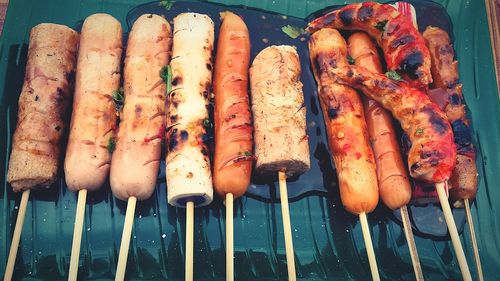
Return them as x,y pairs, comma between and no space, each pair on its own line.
233,158
188,174
136,159
347,133
281,141
42,118
93,118
447,93
393,182
404,48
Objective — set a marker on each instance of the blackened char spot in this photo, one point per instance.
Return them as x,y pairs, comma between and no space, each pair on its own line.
365,12
184,135
438,123
452,84
70,76
332,112
172,140
173,118
455,99
411,63
346,16
461,133
204,151
209,66
328,19
415,167
350,73
402,40
177,80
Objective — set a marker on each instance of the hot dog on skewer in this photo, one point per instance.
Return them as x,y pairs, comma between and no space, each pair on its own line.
232,116
93,121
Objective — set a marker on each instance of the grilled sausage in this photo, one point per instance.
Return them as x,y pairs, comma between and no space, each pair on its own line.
281,141
233,120
432,154
94,116
43,106
404,48
136,159
345,125
188,166
393,183
448,95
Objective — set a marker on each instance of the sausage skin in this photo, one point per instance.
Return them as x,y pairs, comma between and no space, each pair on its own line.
232,116
136,159
393,182
44,105
345,125
94,115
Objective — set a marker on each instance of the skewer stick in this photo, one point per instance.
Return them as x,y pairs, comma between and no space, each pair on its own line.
419,276
189,240
287,228
452,229
229,238
124,245
77,235
472,232
16,236
369,247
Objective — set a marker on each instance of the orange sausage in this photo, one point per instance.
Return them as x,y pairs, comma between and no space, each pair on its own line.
393,183
345,125
233,120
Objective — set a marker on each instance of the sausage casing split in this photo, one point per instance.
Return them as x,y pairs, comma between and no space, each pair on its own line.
448,95
43,106
404,48
345,125
94,116
232,116
393,182
281,141
188,166
136,159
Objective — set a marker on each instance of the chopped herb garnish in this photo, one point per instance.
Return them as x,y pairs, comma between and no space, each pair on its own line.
166,76
246,153
118,98
167,4
419,131
207,124
381,25
111,145
350,59
393,75
293,31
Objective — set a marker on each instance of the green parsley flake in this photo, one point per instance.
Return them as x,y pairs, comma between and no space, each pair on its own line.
167,4
350,60
419,131
393,75
166,76
111,145
381,25
292,31
207,124
246,153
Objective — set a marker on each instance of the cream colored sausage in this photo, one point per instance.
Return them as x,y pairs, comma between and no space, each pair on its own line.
136,159
188,166
94,116
281,141
43,106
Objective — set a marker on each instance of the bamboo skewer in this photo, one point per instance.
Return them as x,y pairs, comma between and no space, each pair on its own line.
229,238
419,276
287,228
369,247
189,240
125,243
11,261
452,229
77,235
472,232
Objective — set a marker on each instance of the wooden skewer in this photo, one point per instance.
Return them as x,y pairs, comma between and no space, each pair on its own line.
9,269
472,232
369,247
452,229
419,276
189,240
125,243
77,235
287,228
229,238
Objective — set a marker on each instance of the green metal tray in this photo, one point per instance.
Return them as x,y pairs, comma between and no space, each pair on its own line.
328,241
